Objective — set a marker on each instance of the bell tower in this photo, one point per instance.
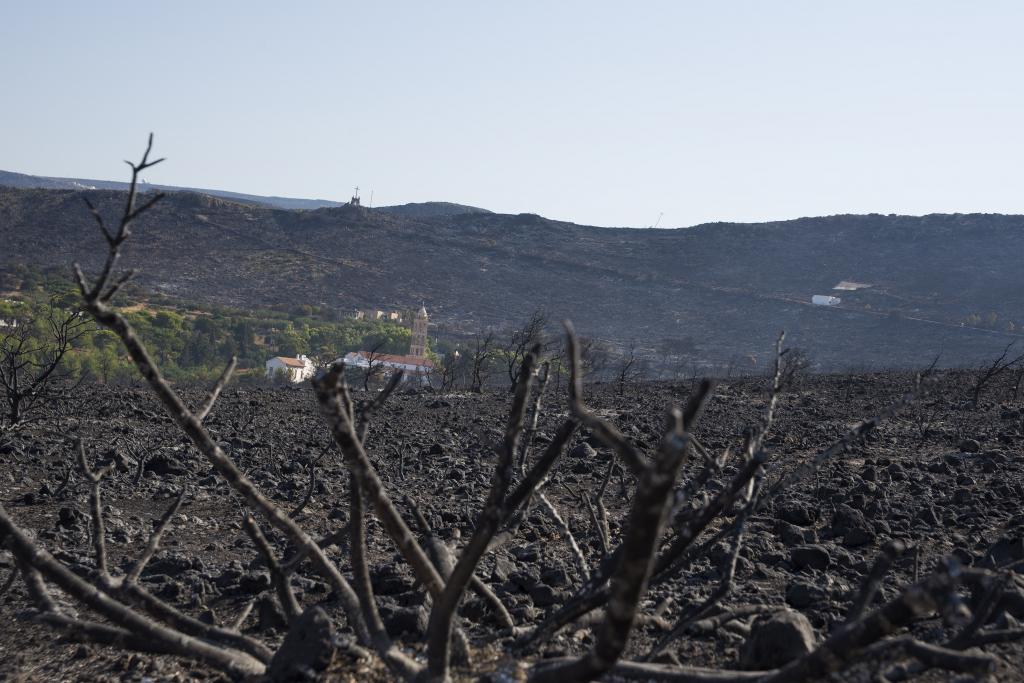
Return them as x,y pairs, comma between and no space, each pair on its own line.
418,344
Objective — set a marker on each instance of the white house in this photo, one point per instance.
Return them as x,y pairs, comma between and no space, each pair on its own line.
414,367
294,369
825,300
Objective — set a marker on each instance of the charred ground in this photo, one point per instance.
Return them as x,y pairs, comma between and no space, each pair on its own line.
944,477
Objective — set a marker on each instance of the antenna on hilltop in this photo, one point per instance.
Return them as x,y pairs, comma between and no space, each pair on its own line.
658,222
355,198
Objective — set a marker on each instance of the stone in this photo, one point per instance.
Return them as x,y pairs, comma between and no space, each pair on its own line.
71,518
543,595
804,594
777,639
800,515
503,567
858,536
583,450
405,620
268,615
852,526
812,556
1008,548
969,446
928,515
162,465
307,650
790,534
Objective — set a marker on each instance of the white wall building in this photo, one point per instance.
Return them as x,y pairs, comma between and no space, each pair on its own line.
294,369
825,300
415,368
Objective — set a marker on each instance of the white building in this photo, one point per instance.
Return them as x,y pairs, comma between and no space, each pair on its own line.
825,300
416,368
293,369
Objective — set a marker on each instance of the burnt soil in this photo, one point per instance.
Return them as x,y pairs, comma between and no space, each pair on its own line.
943,476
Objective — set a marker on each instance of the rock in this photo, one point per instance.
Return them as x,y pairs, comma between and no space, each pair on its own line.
846,518
852,526
583,450
503,567
790,534
962,495
307,649
162,465
71,518
173,563
268,615
556,578
409,620
777,639
543,595
858,536
1009,548
252,583
928,515
800,515
811,556
969,446
804,594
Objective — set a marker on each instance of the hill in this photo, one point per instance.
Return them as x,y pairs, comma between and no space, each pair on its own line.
718,293
417,210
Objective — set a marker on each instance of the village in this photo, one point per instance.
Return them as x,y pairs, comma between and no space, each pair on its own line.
415,365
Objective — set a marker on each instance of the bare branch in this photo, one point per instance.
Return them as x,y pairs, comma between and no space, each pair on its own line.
603,430
225,377
890,553
99,537
154,540
283,587
494,512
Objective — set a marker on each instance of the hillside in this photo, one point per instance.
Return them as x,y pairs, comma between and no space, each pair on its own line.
728,288
419,210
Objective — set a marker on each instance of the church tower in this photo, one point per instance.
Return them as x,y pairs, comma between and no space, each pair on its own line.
418,345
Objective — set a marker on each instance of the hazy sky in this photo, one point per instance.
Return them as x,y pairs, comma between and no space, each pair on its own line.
596,112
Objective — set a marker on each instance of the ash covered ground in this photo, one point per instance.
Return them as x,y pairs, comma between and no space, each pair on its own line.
943,476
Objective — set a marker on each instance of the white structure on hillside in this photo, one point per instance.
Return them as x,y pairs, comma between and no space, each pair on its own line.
293,369
850,286
825,300
415,368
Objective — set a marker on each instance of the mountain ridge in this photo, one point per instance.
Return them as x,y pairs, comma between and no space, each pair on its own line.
28,181
721,290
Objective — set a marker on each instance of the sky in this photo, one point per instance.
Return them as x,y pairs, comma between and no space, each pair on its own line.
601,113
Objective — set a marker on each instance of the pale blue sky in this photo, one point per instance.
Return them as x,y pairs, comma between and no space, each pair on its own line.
596,112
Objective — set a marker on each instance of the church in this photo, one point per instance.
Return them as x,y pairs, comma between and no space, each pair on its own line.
416,366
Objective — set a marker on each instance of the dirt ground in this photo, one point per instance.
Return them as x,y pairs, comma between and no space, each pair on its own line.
943,476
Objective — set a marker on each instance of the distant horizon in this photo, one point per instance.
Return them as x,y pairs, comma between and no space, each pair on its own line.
593,111
492,211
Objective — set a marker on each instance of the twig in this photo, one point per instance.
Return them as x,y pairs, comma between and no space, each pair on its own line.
225,377
96,506
494,512
283,587
154,539
890,553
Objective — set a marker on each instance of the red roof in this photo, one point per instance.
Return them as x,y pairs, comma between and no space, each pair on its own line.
291,362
